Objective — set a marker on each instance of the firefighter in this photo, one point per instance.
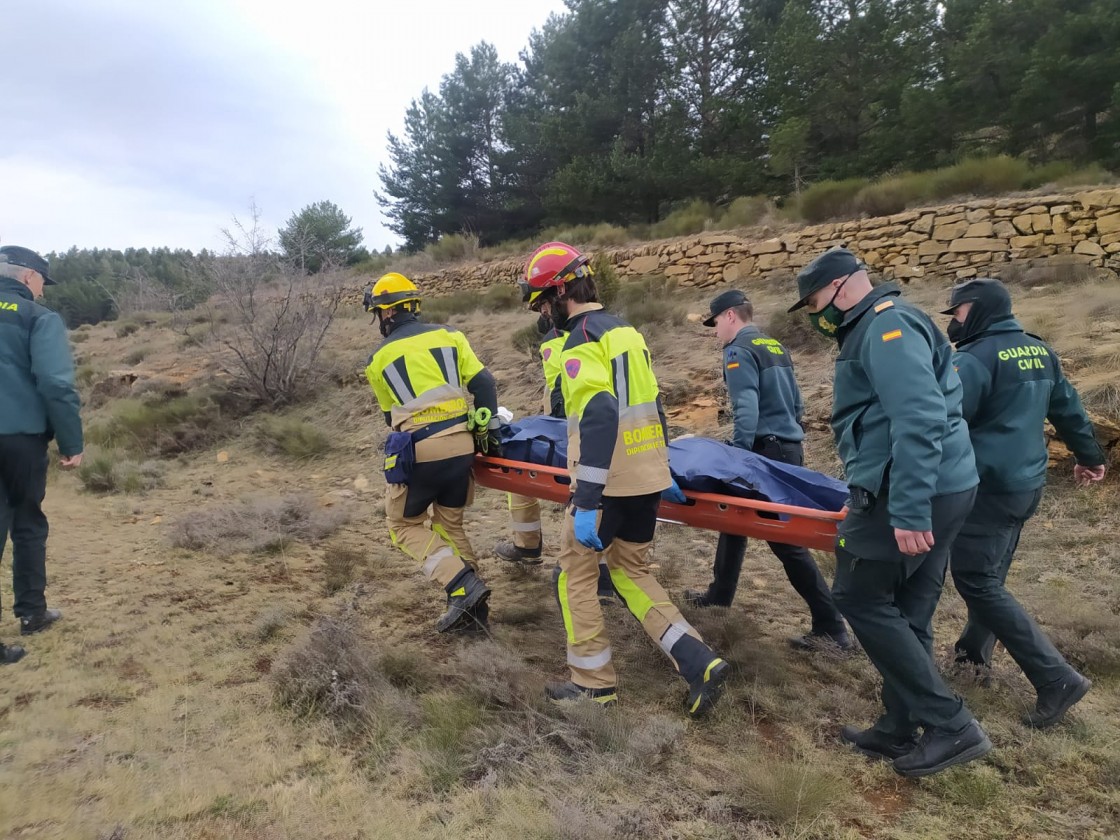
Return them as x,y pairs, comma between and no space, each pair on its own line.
525,511
1012,381
766,408
618,461
896,417
419,374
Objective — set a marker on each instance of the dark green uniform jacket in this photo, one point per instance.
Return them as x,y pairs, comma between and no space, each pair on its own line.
37,393
896,412
1012,382
765,399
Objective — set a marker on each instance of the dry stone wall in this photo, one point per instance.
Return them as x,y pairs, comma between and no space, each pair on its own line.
952,242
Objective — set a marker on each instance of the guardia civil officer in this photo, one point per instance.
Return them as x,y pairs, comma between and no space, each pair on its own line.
1012,381
896,418
38,401
419,374
618,460
766,409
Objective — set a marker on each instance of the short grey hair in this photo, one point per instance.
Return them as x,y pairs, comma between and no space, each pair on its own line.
12,272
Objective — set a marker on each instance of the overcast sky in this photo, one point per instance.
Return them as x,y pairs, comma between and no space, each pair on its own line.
153,122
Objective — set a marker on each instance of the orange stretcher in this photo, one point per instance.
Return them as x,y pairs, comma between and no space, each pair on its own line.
725,514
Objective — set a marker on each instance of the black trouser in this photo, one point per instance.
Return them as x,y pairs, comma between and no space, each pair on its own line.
981,557
889,603
445,482
800,567
23,485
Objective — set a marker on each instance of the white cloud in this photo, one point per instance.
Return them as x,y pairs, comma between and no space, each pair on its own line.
129,122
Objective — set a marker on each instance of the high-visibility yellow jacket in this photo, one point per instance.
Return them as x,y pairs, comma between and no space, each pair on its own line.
552,346
419,374
617,438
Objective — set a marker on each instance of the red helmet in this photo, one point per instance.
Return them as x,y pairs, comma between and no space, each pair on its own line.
554,264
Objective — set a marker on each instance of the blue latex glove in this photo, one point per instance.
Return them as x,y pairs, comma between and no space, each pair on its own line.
587,531
673,493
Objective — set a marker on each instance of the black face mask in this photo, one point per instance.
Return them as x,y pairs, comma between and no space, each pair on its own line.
385,323
544,324
955,331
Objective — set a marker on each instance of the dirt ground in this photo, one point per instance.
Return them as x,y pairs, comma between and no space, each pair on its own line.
155,708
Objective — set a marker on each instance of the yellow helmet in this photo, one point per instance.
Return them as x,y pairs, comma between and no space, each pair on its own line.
393,289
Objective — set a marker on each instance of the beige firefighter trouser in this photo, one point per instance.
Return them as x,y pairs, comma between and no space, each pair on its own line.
589,650
441,547
525,521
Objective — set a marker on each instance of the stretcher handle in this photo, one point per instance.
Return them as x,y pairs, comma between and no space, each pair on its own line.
715,498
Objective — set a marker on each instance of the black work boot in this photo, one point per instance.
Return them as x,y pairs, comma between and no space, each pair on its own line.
29,624
704,598
10,654
939,749
560,692
507,550
1057,698
876,743
466,597
705,673
817,641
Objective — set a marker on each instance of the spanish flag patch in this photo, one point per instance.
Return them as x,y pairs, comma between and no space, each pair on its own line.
892,335
733,365
887,304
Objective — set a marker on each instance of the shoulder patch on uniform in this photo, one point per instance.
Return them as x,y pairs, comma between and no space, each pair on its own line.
571,367
547,352
887,304
892,335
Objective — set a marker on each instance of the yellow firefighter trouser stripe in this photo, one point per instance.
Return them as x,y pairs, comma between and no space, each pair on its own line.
566,611
637,601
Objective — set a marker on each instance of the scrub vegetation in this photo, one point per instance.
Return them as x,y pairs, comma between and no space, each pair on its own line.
244,654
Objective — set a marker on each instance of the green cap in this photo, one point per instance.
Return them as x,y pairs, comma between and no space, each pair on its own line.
839,262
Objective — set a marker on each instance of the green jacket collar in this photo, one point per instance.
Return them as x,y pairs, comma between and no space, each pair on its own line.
14,287
869,300
746,332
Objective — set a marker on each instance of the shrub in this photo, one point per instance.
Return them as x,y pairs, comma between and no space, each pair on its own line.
606,280
136,356
270,622
785,793
162,427
126,328
85,374
693,217
438,310
260,525
895,194
826,200
526,340
107,472
745,211
497,298
293,438
651,300
981,176
455,247
339,565
78,336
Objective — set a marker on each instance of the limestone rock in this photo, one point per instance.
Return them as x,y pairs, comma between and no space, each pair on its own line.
1108,224
965,245
769,246
645,265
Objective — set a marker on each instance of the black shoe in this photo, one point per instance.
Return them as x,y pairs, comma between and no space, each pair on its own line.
560,692
1055,699
875,743
939,749
701,598
29,624
466,594
704,691
506,550
823,642
10,654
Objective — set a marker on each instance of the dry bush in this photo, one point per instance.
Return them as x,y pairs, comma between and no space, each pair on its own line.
787,794
651,300
256,526
270,622
272,322
107,472
291,437
438,310
339,566
526,340
126,328
607,282
794,331
135,357
454,247
78,336
498,298
160,426
333,673
826,200
745,211
497,677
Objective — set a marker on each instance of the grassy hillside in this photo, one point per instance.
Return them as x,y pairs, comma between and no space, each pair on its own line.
244,656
